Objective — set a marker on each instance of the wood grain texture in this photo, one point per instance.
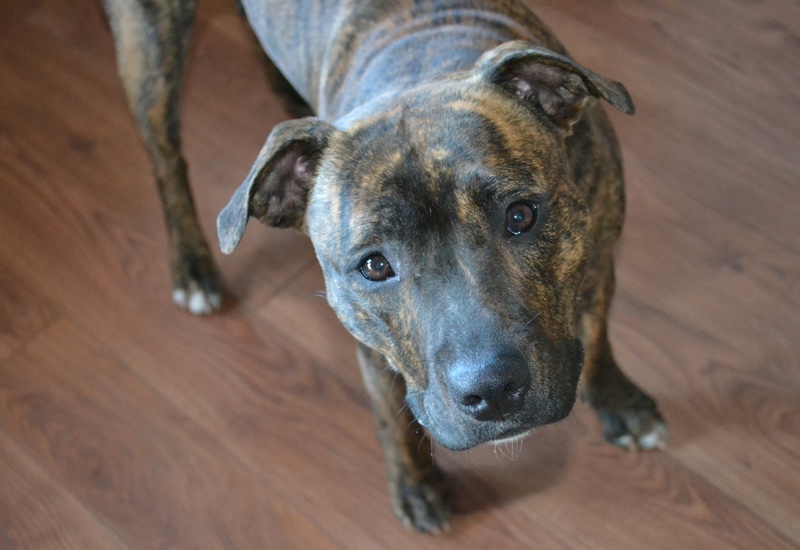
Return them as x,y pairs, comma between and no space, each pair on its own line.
23,313
126,423
156,477
36,511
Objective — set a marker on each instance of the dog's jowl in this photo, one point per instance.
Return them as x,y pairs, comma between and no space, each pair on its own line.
462,188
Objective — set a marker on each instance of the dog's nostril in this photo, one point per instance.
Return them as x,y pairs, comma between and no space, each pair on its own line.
492,390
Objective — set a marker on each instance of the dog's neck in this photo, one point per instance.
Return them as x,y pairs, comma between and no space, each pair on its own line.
399,55
345,54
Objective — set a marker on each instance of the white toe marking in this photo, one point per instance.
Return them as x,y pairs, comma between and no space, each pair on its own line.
655,439
195,300
626,441
179,297
198,303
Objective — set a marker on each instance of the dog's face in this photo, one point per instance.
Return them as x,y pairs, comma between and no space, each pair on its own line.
453,241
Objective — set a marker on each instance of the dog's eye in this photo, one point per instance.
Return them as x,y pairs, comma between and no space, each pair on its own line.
376,268
521,217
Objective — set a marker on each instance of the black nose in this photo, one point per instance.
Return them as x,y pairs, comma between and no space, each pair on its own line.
490,391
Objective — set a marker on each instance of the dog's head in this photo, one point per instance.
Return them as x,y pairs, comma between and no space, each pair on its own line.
450,234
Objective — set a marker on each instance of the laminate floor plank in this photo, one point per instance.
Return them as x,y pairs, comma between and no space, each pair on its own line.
142,466
23,313
36,511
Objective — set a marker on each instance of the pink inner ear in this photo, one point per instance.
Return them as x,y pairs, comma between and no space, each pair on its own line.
301,167
561,95
280,201
524,88
292,169
535,82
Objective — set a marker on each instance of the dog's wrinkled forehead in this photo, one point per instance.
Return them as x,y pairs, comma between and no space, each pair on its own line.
426,162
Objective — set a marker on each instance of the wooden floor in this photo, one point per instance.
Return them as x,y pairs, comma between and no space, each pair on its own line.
125,423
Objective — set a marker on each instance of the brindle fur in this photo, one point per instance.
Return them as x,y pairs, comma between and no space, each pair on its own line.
432,117
150,38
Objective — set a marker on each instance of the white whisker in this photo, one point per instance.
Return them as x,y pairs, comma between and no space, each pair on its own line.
510,447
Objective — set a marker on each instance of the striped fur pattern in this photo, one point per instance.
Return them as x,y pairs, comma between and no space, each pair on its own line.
462,187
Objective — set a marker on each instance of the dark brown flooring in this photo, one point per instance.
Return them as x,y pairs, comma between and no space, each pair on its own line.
126,423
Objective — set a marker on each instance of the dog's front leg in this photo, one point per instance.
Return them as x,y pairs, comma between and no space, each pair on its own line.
418,490
630,417
150,38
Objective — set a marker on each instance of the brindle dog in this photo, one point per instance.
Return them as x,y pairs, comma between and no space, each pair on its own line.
463,192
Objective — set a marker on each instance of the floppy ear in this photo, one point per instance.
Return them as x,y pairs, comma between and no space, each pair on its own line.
276,189
561,87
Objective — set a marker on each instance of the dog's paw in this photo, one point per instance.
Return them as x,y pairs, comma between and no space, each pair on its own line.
637,427
196,286
196,299
423,506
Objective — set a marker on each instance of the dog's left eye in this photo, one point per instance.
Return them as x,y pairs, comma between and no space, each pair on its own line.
521,217
376,268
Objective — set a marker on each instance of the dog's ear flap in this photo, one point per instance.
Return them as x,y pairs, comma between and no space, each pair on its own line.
561,87
277,187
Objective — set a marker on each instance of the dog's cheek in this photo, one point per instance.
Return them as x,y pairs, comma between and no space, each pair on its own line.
559,267
574,247
383,329
393,330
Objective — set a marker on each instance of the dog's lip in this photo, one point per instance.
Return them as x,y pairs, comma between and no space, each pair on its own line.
512,434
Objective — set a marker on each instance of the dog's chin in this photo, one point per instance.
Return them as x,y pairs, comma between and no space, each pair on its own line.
495,435
512,438
459,433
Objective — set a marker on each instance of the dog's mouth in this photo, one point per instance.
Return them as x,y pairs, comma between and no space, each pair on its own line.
482,435
513,436
457,431
511,446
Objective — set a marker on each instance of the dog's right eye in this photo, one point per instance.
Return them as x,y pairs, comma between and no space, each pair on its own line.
376,268
521,217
